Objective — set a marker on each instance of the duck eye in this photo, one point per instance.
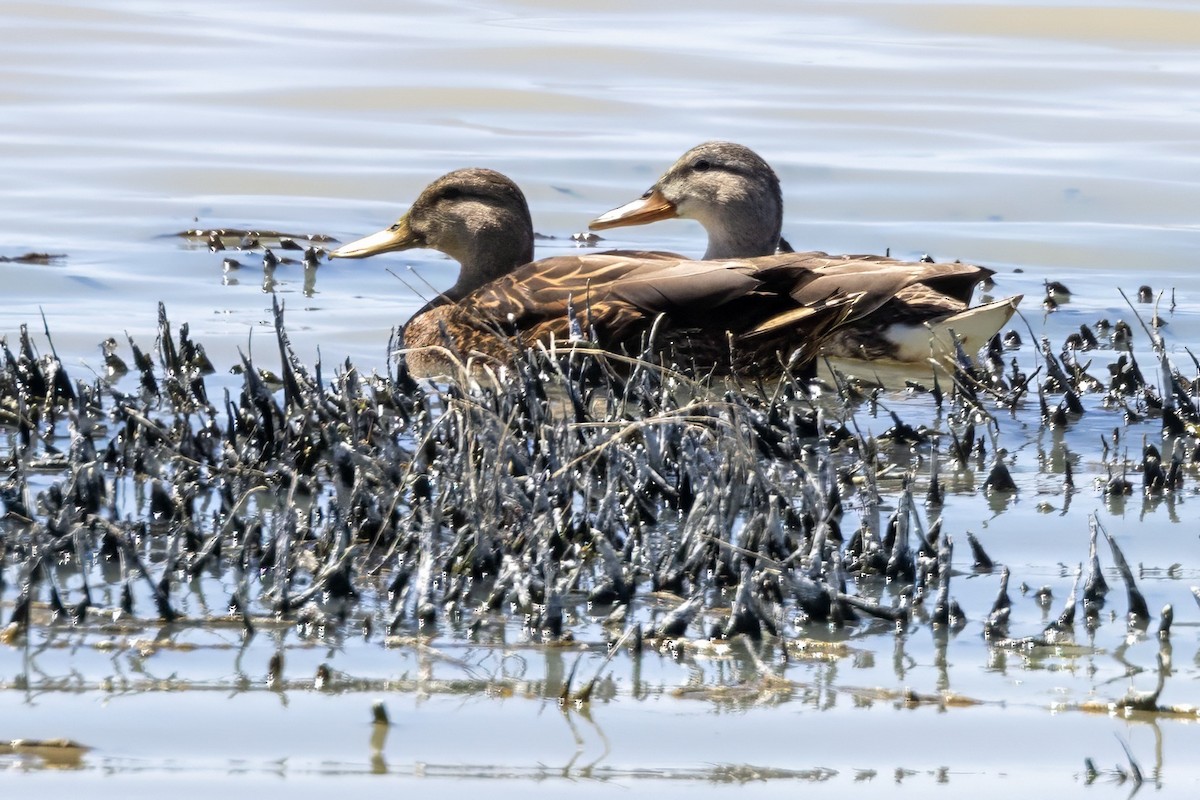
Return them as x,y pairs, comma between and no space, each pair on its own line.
702,165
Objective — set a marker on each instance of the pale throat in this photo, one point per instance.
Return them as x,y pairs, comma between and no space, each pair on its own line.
740,240
739,227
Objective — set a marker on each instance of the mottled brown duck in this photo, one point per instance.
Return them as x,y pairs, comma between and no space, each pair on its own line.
736,196
749,316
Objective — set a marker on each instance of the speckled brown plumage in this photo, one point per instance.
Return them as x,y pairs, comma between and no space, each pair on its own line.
747,316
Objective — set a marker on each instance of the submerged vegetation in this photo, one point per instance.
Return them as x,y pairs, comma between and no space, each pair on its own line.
598,506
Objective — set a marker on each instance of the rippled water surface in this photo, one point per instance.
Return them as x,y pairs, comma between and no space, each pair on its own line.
1056,140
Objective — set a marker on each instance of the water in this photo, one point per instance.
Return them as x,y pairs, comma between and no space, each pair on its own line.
1057,139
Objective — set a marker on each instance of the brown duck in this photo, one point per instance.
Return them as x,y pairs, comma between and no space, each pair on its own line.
749,316
735,195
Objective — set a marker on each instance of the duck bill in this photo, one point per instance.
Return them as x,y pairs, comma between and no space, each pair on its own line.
398,237
651,207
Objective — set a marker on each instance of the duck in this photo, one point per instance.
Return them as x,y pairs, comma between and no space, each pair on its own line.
736,196
742,316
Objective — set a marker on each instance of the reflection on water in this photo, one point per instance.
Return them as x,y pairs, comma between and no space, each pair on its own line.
1057,139
470,679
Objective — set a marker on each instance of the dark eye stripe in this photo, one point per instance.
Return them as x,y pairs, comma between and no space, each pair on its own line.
733,168
456,193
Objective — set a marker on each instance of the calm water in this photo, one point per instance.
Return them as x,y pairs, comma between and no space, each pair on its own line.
1051,141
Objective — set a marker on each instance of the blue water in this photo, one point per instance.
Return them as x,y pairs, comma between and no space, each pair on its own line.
1051,141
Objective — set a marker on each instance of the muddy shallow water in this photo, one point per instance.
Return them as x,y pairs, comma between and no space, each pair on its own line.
1052,141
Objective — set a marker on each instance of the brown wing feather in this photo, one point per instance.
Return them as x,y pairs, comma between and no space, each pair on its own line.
686,285
745,315
658,285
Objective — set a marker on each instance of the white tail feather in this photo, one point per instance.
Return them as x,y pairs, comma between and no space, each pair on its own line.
973,327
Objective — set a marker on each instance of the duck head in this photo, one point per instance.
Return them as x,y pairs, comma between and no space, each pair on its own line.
476,216
726,187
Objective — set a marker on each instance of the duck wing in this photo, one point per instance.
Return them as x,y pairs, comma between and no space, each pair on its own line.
876,273
620,295
619,290
955,280
617,283
748,316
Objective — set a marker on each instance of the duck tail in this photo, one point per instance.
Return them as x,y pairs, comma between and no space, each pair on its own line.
973,326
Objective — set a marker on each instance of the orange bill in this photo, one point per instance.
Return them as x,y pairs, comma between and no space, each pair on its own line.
650,207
